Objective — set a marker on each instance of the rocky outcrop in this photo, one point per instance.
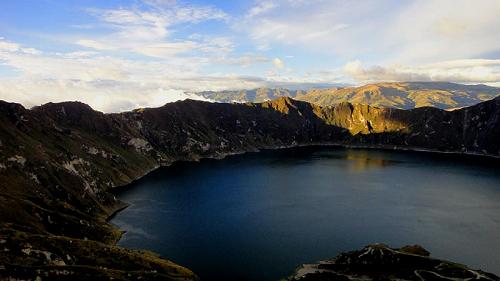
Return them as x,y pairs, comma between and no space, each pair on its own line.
58,161
380,262
48,257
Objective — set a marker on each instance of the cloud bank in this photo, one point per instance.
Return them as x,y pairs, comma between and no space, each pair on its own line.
463,71
150,52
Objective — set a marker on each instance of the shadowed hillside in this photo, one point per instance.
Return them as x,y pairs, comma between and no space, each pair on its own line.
58,162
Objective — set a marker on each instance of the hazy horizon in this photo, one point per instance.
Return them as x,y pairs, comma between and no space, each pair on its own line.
124,54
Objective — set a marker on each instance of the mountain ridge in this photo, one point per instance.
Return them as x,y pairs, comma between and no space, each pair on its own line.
59,160
402,95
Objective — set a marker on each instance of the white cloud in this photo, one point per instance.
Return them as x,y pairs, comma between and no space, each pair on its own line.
8,46
429,40
11,47
94,44
244,60
278,63
466,63
31,51
147,31
310,25
166,50
261,8
107,96
112,84
143,56
430,30
414,31
106,83
466,71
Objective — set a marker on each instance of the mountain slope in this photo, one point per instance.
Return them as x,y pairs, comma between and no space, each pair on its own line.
255,95
58,162
396,95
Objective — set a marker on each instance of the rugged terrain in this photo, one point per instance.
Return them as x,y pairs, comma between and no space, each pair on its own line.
58,162
408,95
379,262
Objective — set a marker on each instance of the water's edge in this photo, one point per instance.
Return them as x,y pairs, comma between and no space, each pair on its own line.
123,205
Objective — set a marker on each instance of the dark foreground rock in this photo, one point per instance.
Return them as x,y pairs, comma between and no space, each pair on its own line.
49,257
380,262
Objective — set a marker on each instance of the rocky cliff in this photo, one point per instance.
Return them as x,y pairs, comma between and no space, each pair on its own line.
58,162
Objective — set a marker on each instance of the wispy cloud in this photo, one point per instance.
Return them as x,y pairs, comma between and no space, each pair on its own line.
147,31
148,52
261,8
466,71
383,30
105,75
110,83
278,63
93,44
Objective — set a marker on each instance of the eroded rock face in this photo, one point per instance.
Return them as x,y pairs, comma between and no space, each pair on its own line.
380,262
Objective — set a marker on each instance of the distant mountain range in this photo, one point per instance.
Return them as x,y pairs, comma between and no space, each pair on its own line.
406,95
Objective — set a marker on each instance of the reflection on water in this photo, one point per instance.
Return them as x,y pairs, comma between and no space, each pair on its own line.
358,159
257,216
361,160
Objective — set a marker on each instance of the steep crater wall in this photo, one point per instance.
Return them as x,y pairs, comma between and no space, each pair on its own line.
58,161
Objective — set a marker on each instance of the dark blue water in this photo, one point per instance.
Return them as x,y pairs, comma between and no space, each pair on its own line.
257,216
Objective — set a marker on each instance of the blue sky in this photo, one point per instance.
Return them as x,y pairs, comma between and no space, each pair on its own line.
118,55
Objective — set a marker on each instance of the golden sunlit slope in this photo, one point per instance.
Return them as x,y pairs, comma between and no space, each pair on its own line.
405,95
400,95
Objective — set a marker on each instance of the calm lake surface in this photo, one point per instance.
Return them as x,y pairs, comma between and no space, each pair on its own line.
257,216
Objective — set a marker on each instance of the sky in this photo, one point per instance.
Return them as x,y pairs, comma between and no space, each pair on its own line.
118,55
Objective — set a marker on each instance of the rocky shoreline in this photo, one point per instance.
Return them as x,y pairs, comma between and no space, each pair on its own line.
327,270
374,147
380,262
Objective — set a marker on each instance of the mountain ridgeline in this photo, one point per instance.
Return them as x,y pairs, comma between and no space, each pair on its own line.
59,160
407,95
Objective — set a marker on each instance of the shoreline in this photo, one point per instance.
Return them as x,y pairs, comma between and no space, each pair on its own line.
123,206
340,145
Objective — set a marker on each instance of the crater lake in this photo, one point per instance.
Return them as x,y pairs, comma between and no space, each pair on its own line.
257,216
